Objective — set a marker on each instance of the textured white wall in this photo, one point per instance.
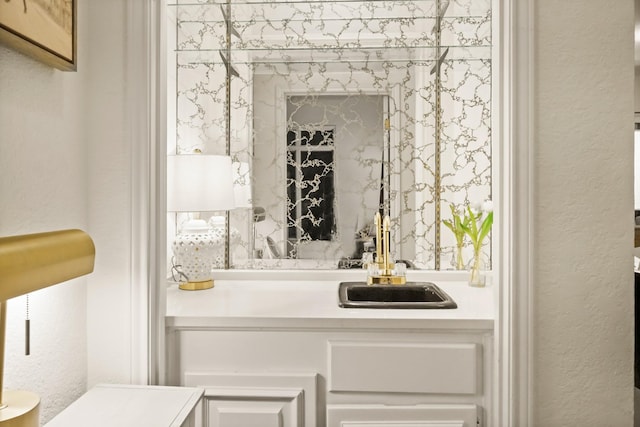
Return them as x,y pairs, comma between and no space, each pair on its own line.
583,287
637,86
43,187
109,157
64,163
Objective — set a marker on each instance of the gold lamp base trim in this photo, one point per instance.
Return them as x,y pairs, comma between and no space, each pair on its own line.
22,410
196,286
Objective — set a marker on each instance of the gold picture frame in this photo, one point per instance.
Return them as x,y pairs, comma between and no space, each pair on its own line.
42,29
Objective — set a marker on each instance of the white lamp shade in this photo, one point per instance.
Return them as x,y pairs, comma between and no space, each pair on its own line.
199,183
242,184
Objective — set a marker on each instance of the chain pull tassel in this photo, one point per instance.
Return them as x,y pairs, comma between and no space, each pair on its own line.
27,332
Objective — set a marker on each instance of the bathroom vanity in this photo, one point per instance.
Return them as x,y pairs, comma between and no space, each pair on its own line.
376,106
283,353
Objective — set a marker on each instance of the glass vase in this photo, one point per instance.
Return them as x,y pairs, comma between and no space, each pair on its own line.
459,261
477,276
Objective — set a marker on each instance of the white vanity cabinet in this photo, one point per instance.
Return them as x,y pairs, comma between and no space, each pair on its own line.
263,363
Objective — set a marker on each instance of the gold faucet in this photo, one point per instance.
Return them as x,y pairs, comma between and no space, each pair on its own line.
384,273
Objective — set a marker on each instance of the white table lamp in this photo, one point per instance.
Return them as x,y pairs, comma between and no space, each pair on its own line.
199,183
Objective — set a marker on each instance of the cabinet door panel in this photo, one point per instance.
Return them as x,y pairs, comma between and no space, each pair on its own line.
402,416
451,368
260,400
253,408
247,414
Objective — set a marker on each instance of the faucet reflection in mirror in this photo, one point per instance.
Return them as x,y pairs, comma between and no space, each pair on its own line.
199,183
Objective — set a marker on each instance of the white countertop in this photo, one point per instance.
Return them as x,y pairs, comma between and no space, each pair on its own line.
313,304
110,405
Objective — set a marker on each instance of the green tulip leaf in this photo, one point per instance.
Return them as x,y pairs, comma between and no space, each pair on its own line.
485,227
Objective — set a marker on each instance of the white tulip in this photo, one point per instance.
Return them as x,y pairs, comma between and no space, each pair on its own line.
487,206
476,205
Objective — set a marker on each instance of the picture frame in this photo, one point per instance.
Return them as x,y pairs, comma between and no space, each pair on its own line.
44,30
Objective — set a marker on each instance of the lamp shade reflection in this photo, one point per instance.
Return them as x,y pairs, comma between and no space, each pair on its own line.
199,183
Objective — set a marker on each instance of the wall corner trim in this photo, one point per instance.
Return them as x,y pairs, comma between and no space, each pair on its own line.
514,336
144,54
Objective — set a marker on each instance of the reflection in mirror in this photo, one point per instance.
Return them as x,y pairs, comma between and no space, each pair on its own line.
335,149
341,109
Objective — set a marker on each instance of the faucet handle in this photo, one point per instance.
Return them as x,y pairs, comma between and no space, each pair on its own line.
400,269
367,259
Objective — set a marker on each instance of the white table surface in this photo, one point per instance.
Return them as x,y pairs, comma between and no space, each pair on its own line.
130,406
314,304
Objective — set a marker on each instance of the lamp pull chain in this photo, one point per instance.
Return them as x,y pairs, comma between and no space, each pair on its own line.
27,332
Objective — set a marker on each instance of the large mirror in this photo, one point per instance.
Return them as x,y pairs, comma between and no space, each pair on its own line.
332,111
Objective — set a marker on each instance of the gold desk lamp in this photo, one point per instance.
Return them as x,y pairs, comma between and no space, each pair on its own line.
29,263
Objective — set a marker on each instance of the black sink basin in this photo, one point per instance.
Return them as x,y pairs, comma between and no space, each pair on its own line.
411,295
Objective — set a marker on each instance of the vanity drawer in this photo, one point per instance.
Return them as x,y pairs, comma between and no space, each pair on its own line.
442,368
434,415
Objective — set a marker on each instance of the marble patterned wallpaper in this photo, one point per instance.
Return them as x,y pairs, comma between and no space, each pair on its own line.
330,53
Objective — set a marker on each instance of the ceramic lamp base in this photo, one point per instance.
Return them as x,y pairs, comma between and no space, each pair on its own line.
196,286
197,250
22,409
